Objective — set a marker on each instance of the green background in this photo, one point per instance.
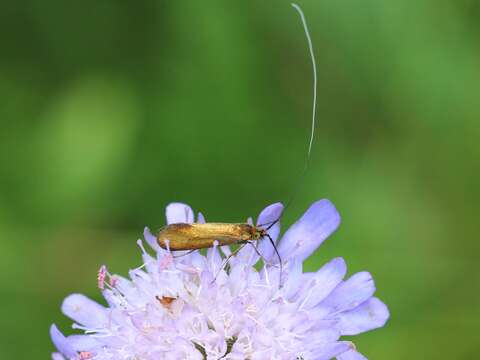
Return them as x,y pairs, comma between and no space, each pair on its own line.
111,109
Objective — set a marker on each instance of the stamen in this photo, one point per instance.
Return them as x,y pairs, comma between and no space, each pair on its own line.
85,355
140,245
212,254
102,273
167,245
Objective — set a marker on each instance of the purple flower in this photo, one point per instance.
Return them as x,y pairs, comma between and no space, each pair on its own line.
192,307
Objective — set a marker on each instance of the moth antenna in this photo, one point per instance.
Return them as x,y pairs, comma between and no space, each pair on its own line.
273,223
314,66
314,112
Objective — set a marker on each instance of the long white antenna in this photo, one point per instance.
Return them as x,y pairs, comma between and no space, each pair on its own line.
314,110
310,46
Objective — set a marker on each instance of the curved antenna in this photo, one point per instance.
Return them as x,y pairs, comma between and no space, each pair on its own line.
314,111
312,56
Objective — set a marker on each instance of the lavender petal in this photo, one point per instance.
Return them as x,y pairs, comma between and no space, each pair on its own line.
351,293
57,356
319,221
201,218
83,342
61,342
151,239
270,214
179,213
324,281
331,350
370,315
85,311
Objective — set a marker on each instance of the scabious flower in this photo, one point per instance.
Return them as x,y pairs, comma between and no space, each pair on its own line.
195,307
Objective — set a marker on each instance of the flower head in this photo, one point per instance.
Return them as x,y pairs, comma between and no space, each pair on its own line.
194,306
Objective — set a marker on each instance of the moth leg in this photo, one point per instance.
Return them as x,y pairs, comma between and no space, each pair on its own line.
187,253
258,252
225,261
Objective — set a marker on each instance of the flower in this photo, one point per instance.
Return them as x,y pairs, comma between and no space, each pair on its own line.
191,306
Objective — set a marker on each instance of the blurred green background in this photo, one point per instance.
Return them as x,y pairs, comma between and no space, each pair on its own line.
111,109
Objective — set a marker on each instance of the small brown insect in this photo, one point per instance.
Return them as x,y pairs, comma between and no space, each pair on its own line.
183,236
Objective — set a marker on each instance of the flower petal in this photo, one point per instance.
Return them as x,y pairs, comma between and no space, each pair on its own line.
61,342
370,315
83,342
319,221
57,356
151,239
179,213
292,283
270,214
247,255
85,311
351,293
323,282
351,355
200,218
